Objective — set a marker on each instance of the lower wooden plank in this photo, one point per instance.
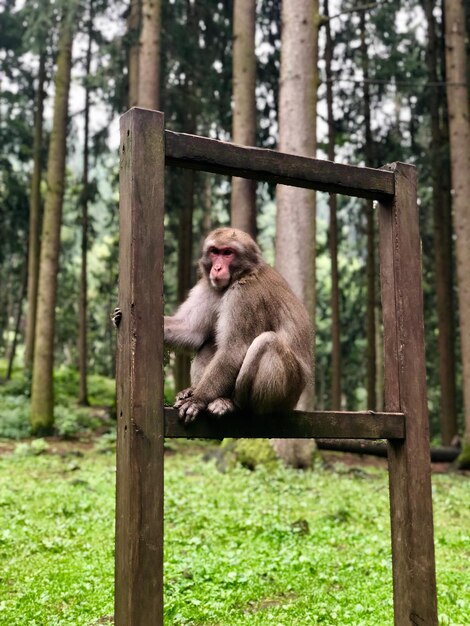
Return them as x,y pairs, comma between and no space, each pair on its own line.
295,424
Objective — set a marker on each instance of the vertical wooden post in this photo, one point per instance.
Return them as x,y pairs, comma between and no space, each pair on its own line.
414,579
139,495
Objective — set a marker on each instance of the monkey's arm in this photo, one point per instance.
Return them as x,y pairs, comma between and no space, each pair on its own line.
216,384
236,329
193,322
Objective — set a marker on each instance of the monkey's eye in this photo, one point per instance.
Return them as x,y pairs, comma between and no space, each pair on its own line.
214,251
227,252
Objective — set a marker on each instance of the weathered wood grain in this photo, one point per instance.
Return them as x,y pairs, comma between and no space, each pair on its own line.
298,424
139,495
221,157
143,423
414,578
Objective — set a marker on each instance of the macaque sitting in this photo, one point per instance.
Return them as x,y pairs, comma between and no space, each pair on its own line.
251,334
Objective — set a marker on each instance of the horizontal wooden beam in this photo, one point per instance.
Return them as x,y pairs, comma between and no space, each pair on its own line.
296,424
222,157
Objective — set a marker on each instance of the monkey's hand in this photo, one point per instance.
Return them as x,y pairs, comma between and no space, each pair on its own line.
116,317
182,396
221,406
190,408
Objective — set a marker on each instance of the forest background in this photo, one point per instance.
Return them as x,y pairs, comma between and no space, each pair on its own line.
383,93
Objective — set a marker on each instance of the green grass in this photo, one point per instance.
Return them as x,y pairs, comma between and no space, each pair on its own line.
259,548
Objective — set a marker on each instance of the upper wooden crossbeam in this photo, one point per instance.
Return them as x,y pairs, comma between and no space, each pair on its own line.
298,424
221,157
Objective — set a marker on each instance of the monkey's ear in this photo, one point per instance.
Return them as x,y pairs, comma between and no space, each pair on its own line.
116,317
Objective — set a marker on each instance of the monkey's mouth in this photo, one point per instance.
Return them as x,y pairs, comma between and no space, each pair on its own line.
219,283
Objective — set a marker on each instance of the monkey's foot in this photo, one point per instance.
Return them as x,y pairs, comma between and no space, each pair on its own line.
182,396
221,406
116,316
189,409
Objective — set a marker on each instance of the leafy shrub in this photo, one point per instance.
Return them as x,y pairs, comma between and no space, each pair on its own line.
66,384
106,444
34,448
70,420
101,390
14,416
20,386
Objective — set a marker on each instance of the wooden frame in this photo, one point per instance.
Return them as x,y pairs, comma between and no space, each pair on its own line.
143,422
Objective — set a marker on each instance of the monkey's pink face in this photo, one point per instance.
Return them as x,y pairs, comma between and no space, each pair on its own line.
221,259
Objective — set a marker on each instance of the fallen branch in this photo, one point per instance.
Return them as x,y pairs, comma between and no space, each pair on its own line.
440,454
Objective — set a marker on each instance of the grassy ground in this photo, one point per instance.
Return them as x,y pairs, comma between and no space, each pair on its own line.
282,548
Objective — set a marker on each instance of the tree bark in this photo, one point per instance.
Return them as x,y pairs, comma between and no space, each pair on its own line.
243,196
371,338
333,231
379,351
207,205
459,126
442,227
83,301
35,216
185,258
42,411
133,28
149,55
182,365
14,343
370,233
442,242
295,223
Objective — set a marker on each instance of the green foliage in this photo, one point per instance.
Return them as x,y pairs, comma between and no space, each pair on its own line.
66,383
14,416
463,460
56,541
250,453
270,540
353,293
33,448
242,548
196,97
70,420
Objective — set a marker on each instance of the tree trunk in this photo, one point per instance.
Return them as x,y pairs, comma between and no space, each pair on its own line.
207,205
442,242
243,197
333,231
371,338
379,351
14,343
459,126
185,258
133,28
42,410
149,55
370,231
181,369
82,334
295,223
35,216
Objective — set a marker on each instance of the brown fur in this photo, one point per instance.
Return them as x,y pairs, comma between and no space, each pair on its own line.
253,339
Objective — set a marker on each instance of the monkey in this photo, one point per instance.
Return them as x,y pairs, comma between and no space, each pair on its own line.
252,336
